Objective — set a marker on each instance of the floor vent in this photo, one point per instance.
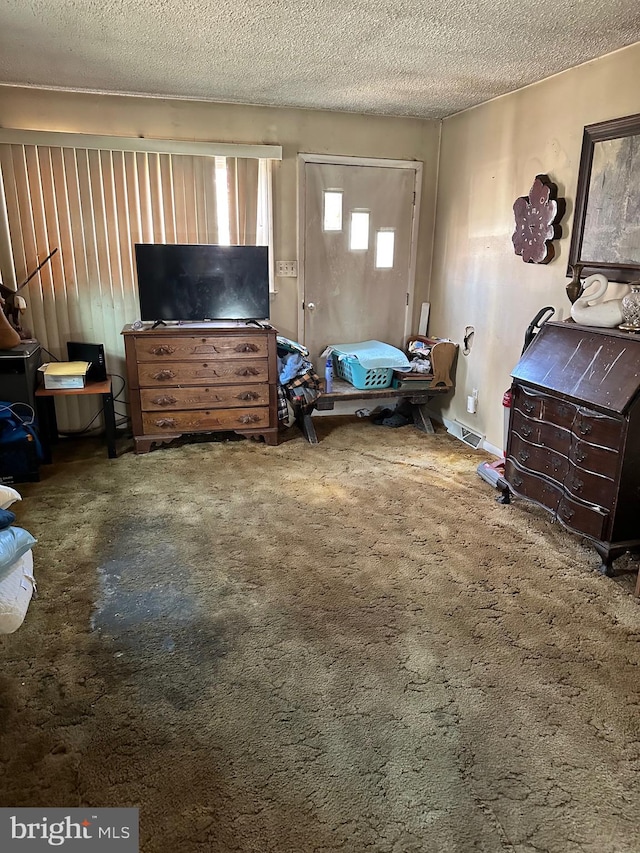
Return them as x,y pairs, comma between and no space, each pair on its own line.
473,439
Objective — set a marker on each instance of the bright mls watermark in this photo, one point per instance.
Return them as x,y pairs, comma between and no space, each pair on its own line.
79,830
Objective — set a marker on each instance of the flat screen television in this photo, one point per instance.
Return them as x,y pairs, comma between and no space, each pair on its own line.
196,282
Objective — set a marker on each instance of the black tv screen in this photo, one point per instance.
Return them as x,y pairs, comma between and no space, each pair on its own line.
193,283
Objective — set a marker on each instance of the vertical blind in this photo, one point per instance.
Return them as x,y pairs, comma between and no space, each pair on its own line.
93,206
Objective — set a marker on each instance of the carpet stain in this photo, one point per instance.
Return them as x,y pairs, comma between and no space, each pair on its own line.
307,649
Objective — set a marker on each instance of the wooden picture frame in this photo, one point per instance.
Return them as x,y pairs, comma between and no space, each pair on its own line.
605,236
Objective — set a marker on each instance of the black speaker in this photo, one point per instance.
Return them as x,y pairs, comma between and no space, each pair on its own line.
94,354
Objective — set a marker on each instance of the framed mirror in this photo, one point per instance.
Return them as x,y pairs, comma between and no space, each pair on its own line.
606,224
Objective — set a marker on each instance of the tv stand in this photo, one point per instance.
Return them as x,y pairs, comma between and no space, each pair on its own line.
201,378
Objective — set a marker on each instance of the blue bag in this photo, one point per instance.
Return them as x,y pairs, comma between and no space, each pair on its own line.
16,427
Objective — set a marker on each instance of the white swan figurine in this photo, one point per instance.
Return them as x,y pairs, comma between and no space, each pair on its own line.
589,311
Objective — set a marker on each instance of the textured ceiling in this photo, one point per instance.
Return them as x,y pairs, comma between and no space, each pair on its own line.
396,57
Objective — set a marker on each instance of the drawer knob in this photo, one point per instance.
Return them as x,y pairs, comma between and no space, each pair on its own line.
165,400
528,407
566,513
523,455
165,423
580,456
246,347
164,375
248,395
577,485
555,464
583,428
249,419
163,349
526,431
517,482
248,371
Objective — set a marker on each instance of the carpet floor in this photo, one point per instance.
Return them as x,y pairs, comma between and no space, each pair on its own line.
306,649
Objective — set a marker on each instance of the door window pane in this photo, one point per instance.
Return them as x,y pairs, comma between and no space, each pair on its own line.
385,241
359,234
332,210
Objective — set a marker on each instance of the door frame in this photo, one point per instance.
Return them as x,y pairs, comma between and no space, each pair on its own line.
340,160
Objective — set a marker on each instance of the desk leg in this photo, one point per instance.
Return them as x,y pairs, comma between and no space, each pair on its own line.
109,424
47,425
421,419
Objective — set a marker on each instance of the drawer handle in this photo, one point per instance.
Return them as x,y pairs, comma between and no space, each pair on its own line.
165,423
248,371
517,482
556,464
166,400
163,375
567,513
576,485
526,431
247,348
584,429
580,456
163,349
249,419
528,407
523,455
250,395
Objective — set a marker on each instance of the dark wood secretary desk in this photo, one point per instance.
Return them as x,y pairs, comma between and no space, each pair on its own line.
573,445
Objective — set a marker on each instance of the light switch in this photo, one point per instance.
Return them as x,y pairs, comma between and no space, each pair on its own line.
287,269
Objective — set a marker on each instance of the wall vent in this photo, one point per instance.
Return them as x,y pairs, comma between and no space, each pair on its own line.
468,436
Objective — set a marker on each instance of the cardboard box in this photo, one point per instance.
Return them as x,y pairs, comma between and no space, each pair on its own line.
64,375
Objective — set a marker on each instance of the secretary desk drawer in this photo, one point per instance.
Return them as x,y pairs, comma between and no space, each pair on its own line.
598,429
154,423
531,486
152,375
202,397
541,433
177,348
585,519
537,459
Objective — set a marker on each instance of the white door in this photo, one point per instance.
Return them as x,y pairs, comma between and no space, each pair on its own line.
358,252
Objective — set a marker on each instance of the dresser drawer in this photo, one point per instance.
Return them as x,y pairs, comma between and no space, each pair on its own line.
202,397
542,433
592,457
539,459
589,487
250,371
598,429
154,423
537,406
589,520
530,486
178,348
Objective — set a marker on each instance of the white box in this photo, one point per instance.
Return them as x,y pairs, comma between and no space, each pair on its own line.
64,375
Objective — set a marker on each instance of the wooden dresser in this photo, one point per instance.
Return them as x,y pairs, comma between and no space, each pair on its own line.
201,378
574,434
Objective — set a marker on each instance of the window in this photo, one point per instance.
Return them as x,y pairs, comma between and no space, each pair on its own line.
385,240
359,232
332,220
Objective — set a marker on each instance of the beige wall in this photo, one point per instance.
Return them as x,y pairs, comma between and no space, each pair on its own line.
296,130
490,155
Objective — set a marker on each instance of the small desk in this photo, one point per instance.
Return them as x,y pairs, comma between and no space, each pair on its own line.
342,391
46,411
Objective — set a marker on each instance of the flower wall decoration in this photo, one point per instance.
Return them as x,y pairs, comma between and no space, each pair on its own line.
537,221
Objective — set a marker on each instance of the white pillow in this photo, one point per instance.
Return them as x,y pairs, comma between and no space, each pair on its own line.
15,594
8,496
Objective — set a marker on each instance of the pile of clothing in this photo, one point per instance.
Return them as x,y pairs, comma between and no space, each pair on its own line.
17,583
420,357
298,383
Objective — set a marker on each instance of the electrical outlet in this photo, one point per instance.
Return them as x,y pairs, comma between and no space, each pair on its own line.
287,269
